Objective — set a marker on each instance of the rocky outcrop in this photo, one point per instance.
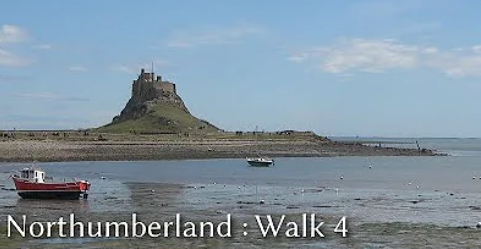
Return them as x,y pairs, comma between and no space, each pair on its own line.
148,91
155,108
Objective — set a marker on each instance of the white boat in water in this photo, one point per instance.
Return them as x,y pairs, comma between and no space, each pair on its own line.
260,161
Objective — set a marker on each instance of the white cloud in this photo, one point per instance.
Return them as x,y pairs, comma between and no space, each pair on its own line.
12,34
476,48
78,68
457,64
366,55
362,55
431,50
12,60
212,36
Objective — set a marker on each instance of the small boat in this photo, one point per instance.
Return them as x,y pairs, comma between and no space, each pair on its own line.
260,161
30,184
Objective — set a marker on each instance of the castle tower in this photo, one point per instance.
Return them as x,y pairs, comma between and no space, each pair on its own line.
148,85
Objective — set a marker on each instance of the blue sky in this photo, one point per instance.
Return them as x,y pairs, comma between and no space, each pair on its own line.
368,68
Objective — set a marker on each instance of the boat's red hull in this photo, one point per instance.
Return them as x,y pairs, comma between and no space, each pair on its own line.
64,190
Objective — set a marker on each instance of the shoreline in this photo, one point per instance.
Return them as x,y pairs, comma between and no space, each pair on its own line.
50,150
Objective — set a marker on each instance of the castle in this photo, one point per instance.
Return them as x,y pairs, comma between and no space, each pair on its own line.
148,90
148,87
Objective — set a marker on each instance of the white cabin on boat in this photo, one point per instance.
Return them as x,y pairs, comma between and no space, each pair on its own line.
33,175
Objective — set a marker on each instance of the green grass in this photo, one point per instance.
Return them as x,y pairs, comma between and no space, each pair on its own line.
163,117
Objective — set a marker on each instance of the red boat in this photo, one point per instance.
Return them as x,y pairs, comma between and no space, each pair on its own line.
31,184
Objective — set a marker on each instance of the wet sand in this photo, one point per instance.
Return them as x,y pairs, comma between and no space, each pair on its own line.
21,150
211,202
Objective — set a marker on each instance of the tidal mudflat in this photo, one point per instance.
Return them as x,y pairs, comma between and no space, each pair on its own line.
114,147
386,207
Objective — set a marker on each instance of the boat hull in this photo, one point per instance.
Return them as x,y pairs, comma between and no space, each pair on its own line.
57,195
63,191
259,164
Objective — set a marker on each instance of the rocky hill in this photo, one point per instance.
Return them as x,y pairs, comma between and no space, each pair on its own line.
155,107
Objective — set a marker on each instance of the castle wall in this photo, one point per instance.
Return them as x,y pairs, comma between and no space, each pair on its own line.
167,86
145,88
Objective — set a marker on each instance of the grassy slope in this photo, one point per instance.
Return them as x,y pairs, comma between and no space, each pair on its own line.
157,120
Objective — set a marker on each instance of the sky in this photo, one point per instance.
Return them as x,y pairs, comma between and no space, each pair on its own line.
408,68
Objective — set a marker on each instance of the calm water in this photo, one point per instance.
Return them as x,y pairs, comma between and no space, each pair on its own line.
433,173
451,146
415,189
